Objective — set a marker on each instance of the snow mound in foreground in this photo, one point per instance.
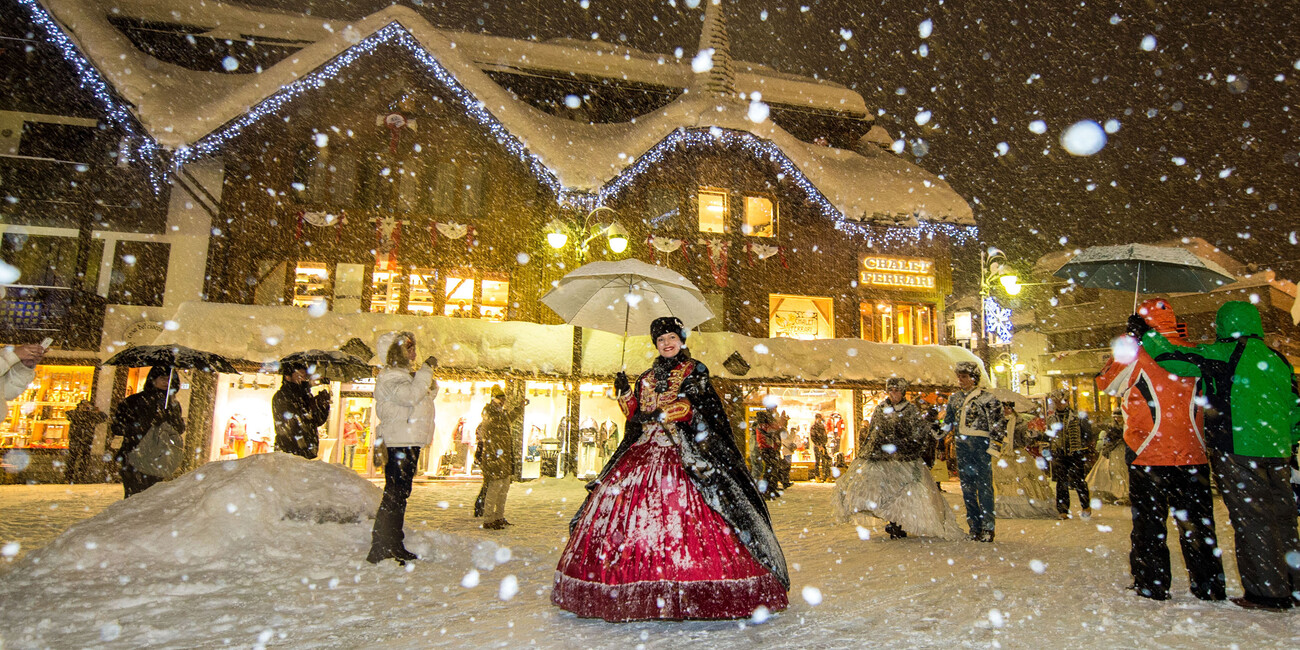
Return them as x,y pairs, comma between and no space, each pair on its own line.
266,506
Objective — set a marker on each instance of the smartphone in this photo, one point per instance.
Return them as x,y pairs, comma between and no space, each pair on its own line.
47,343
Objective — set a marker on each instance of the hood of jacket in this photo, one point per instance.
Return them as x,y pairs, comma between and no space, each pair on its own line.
1236,320
1160,316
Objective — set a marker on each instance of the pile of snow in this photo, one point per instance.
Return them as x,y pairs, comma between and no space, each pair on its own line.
269,506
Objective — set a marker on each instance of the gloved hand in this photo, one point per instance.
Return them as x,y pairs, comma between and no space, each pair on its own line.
431,361
1137,326
621,384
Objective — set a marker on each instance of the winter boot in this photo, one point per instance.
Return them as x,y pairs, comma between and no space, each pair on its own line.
895,531
986,536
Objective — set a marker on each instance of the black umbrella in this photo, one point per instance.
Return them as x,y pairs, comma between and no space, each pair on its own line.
172,356
1142,268
331,365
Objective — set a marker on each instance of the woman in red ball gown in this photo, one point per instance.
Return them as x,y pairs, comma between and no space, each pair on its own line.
673,528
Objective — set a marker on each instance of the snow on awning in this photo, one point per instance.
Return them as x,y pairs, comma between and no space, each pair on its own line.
264,334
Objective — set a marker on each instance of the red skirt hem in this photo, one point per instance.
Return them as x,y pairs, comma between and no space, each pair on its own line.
669,599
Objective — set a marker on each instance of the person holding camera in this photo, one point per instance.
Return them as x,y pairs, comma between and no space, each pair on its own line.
498,454
404,403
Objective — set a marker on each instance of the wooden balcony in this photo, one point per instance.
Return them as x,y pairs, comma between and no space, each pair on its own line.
72,317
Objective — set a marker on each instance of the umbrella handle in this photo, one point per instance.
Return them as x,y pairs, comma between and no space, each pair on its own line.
627,314
1137,284
167,393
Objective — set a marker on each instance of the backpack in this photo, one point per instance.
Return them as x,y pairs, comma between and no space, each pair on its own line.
160,452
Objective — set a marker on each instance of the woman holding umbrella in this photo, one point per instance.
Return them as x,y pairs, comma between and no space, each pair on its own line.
673,528
139,413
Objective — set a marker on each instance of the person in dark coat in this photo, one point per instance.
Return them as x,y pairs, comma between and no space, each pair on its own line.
81,433
1070,446
136,415
767,433
298,414
497,454
821,459
674,527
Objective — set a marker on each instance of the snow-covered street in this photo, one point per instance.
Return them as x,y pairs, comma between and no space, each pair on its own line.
239,571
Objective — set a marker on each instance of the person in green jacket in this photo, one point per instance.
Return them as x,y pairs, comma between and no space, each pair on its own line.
1252,420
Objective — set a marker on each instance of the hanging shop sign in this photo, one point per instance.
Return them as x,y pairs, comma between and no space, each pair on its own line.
910,272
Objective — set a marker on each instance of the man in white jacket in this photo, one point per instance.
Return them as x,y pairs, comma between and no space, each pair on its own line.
404,403
17,370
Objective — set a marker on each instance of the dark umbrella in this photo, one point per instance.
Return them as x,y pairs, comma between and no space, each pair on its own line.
331,365
173,356
1144,269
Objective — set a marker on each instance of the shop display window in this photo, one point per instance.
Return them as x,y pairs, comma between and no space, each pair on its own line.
423,283
385,292
714,206
898,322
801,317
311,282
460,295
487,297
760,217
38,417
496,295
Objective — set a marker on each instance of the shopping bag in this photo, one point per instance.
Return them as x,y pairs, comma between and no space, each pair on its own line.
160,452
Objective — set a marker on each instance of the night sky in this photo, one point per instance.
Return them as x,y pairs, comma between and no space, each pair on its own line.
1215,93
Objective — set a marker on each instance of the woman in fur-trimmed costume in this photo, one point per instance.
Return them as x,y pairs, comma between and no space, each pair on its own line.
889,480
673,528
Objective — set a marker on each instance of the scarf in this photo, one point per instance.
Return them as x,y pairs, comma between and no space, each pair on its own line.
963,428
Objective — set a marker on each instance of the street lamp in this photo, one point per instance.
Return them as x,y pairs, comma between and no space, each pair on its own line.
557,233
557,236
993,268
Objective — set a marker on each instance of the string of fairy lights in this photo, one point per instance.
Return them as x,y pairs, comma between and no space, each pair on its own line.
395,34
140,146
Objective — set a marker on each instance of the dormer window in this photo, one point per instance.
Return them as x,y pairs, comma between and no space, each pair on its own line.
760,217
714,208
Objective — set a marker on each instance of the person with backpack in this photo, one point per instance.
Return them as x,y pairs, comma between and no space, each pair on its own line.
1252,421
135,417
298,414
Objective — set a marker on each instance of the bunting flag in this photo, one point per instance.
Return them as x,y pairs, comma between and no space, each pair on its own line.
716,256
667,245
388,235
453,230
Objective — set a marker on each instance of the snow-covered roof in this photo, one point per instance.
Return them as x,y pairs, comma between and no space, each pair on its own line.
196,111
264,334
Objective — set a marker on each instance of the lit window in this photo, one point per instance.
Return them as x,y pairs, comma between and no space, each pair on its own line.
386,292
714,208
496,295
800,317
460,296
423,283
760,217
906,323
311,282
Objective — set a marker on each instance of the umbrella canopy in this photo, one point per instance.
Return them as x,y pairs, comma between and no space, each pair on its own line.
173,356
625,296
1021,403
330,365
1144,269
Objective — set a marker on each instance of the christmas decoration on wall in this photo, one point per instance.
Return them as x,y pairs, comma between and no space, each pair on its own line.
453,230
319,219
716,256
395,122
764,251
388,241
667,245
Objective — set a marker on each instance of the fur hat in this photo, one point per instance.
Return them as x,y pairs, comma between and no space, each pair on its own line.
969,367
667,325
895,383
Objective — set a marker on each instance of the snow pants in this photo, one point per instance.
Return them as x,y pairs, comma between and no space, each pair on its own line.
1070,469
1257,492
1153,491
399,472
975,470
494,499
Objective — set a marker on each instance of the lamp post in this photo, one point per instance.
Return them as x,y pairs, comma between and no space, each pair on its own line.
557,236
993,269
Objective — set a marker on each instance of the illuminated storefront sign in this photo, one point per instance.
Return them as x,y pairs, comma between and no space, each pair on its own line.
911,272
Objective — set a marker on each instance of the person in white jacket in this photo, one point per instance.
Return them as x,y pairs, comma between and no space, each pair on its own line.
17,370
404,405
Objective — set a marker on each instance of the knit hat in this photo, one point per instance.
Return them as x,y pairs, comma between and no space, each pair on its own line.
156,372
666,325
895,383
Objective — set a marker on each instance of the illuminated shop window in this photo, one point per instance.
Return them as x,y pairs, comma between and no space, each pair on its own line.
898,322
496,294
460,295
760,217
386,292
714,206
311,283
800,317
423,285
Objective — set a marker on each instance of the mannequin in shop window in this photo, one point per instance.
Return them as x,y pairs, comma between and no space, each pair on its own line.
352,432
628,556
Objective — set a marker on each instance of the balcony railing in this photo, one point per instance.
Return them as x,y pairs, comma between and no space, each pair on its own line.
72,317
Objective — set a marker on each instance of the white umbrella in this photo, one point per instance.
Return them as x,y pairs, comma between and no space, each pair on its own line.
1021,403
625,296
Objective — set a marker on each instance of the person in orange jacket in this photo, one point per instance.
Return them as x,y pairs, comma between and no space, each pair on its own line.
1168,467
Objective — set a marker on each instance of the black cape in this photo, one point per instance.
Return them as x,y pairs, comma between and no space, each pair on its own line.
715,467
